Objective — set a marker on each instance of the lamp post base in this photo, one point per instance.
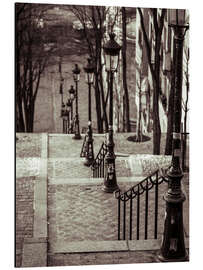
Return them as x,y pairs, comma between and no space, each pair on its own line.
88,162
77,137
173,243
110,189
161,258
89,155
110,181
77,129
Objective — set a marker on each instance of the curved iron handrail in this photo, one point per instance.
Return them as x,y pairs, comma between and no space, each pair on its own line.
100,156
126,218
133,191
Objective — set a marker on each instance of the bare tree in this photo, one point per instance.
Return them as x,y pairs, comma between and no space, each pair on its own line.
158,23
185,109
124,66
31,59
92,19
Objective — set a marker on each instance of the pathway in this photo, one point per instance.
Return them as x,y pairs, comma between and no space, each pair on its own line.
80,216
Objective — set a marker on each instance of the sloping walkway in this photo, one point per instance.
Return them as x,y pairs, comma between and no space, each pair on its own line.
68,215
82,218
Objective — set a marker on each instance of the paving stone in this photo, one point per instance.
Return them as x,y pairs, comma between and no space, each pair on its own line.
102,258
26,167
88,246
24,214
28,145
34,255
82,212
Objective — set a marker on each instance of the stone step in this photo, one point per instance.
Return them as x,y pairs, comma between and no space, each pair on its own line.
107,246
91,181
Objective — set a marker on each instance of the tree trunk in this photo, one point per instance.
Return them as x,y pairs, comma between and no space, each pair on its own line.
184,146
104,118
139,131
156,95
156,122
169,137
125,87
98,105
158,27
149,110
19,115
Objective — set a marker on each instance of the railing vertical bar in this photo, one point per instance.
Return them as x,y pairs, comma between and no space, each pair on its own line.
99,175
138,212
156,207
97,170
103,161
119,218
131,209
124,217
146,209
100,167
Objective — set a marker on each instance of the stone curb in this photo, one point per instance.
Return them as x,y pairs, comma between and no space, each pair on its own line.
35,249
91,181
72,135
107,246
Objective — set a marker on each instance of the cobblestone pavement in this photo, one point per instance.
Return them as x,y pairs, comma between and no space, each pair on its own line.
81,212
24,213
78,212
28,145
28,151
62,146
102,258
62,160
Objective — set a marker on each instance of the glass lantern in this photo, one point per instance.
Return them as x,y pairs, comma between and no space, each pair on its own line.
89,70
176,16
72,93
111,52
62,109
76,73
68,105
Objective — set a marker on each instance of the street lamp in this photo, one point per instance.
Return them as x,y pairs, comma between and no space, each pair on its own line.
76,78
62,109
63,112
173,245
68,109
111,52
61,89
89,69
72,97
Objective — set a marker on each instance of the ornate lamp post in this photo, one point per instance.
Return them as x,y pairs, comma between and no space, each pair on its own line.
76,78
63,112
72,97
68,109
173,245
61,89
89,69
111,51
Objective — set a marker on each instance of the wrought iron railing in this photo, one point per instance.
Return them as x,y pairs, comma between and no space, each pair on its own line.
83,149
98,165
134,210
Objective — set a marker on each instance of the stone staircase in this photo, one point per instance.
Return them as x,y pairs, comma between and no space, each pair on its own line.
74,221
